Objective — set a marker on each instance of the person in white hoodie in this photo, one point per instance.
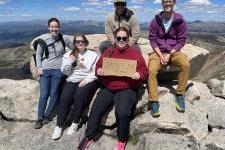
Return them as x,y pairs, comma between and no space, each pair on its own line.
79,66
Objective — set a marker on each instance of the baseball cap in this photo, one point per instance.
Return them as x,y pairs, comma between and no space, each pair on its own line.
120,1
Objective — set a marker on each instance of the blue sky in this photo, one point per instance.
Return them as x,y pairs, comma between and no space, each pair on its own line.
24,10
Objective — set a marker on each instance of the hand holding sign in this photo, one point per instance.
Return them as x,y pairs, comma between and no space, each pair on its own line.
100,72
136,76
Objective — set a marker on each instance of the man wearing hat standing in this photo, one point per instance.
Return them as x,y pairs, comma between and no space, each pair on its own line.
167,34
121,17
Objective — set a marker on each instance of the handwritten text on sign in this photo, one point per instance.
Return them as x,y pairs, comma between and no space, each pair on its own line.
119,67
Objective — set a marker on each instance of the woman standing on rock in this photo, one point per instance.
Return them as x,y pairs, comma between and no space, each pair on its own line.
48,64
121,91
78,65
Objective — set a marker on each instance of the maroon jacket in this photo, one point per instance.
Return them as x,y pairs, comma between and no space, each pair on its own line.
175,37
117,83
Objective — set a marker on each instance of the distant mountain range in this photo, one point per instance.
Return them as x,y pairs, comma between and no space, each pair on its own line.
12,33
17,33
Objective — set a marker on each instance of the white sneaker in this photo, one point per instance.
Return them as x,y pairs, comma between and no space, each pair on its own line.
72,129
57,133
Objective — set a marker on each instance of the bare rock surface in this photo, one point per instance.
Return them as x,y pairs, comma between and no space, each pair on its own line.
18,99
200,127
214,141
217,87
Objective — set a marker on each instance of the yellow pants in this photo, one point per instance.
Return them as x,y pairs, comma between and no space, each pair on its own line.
178,59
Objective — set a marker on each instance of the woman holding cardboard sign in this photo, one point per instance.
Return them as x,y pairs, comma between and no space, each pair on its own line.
118,90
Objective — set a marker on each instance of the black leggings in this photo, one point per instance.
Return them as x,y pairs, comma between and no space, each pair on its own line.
124,100
79,96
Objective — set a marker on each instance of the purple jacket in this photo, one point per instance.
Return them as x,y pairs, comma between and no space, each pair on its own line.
175,37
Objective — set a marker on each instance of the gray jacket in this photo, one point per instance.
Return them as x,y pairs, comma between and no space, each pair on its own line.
56,51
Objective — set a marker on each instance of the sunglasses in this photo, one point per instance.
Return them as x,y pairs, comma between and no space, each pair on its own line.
120,4
118,38
79,41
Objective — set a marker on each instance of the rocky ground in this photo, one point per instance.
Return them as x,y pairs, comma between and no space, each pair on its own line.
202,126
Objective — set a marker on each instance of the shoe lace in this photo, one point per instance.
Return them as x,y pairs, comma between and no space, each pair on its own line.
57,129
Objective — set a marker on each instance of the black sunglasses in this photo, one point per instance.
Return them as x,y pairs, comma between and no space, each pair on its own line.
120,4
118,38
79,41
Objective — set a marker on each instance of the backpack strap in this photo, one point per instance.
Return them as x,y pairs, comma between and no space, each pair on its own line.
43,45
62,40
59,39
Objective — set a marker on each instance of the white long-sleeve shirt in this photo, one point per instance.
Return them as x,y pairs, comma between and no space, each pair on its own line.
85,69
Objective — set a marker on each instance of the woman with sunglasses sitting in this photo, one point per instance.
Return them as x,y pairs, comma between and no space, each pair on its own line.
79,66
118,91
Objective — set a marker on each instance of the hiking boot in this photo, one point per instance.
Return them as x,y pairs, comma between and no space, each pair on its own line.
46,120
38,124
72,129
85,143
155,109
121,145
180,104
57,133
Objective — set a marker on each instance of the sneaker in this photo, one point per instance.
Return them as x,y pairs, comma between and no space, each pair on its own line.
57,133
38,124
155,109
85,143
180,104
72,129
46,121
121,145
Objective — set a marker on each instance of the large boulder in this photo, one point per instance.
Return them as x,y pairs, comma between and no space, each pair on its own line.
214,141
201,97
158,141
18,99
217,87
196,55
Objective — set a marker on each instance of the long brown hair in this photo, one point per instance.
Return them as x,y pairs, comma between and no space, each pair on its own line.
75,49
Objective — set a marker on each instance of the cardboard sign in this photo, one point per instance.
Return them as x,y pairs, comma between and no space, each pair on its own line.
119,67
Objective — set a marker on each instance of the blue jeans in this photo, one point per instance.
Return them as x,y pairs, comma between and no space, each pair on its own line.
49,86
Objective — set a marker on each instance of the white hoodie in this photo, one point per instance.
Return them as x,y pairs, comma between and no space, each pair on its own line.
85,69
